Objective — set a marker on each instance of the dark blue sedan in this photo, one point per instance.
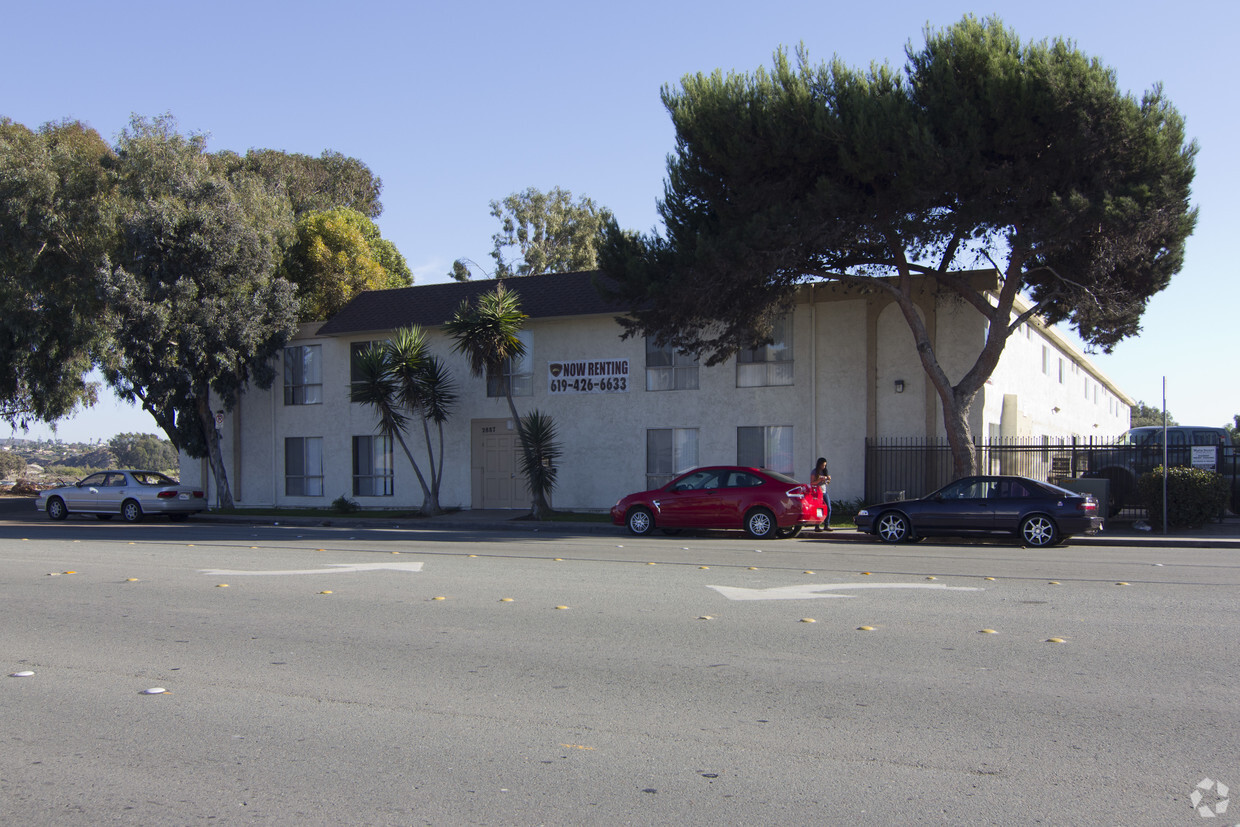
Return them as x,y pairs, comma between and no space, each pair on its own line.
1037,513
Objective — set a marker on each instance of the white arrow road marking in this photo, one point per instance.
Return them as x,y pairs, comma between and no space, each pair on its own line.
336,568
810,592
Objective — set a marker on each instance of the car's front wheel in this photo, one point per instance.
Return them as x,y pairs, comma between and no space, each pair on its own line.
893,527
131,511
56,509
640,521
1039,531
760,524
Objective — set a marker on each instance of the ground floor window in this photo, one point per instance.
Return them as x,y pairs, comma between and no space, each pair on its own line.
765,446
668,452
303,466
372,466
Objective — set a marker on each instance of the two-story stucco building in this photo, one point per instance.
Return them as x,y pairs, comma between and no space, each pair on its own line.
842,368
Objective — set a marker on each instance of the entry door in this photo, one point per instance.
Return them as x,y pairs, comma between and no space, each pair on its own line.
497,452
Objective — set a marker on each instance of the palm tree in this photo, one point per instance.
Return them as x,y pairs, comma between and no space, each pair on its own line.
539,462
400,379
486,334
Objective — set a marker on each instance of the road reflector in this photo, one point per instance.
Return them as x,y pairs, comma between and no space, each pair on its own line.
25,674
561,607
505,600
325,591
753,568
808,620
1121,583
131,580
865,628
932,577
807,572
988,632
990,578
154,690
1053,583
221,585
706,617
703,567
439,598
1056,640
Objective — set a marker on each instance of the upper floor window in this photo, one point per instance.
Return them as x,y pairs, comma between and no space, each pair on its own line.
303,375
517,374
770,364
356,349
669,369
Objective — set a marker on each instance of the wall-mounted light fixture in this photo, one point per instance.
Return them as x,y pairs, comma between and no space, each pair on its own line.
1054,410
899,386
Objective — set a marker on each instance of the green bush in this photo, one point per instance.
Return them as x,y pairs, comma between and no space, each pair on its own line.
344,505
1195,496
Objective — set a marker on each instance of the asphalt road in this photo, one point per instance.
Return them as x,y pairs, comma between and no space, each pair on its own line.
331,676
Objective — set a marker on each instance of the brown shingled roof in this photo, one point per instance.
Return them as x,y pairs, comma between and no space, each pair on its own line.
431,305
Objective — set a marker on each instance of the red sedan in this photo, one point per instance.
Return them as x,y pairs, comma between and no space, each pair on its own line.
764,503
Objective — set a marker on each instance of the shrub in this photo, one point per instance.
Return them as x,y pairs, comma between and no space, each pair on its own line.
1195,496
344,505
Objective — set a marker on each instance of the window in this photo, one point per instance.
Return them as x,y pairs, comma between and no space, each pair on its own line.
1061,371
356,349
303,375
517,374
668,369
303,466
372,466
770,364
767,446
1046,360
668,452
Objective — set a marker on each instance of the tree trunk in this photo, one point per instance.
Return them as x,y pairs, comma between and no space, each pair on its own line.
960,435
206,421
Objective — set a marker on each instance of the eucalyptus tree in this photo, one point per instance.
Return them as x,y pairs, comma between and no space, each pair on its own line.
194,304
1024,157
401,379
56,228
546,232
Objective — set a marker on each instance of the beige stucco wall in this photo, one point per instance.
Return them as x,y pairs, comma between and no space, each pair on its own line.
848,349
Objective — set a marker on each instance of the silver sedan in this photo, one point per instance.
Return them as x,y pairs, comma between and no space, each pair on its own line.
132,494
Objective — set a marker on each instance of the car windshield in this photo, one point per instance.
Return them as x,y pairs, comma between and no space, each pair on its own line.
1139,436
152,478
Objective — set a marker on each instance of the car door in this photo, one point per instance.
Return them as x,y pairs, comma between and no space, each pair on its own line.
1010,500
960,508
691,502
85,495
113,492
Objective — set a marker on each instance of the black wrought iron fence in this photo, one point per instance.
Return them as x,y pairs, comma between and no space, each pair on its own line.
905,468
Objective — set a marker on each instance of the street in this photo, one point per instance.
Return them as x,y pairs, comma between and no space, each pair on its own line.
381,676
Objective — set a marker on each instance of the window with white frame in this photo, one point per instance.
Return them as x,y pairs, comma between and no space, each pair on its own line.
303,375
669,451
669,369
770,364
303,466
372,466
356,349
1046,360
517,373
765,446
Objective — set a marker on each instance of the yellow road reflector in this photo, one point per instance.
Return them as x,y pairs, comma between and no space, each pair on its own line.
439,598
1053,583
505,600
221,585
326,591
753,568
807,572
1121,583
988,632
706,617
561,607
703,567
131,580
867,573
1056,640
932,577
989,578
865,628
808,620
558,560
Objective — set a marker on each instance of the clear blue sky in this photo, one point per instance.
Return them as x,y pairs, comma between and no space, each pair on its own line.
457,104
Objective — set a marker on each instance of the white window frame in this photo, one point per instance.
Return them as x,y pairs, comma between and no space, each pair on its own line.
308,451
372,466
303,375
770,365
518,375
664,462
669,369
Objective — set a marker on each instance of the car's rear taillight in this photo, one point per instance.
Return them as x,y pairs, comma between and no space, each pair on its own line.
199,494
166,495
1087,505
799,491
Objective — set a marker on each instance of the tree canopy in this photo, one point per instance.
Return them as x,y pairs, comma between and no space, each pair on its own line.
193,301
337,254
1143,414
1021,157
311,184
56,222
545,233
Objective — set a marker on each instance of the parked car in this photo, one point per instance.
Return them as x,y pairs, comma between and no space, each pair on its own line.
1138,451
132,494
1038,513
763,503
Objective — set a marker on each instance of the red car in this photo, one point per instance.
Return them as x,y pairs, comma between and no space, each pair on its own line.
764,503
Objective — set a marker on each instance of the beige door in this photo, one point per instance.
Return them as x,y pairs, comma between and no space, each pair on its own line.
498,482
